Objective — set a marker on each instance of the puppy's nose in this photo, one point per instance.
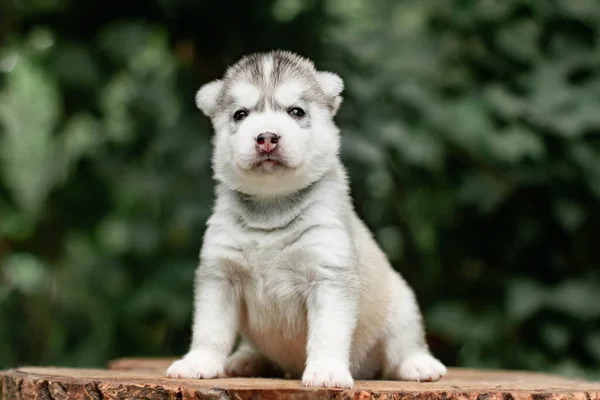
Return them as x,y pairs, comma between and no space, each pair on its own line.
267,141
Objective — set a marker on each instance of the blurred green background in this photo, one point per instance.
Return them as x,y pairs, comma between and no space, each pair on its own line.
470,130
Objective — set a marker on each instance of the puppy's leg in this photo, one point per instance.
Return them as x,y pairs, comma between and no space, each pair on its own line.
247,361
332,313
214,330
406,354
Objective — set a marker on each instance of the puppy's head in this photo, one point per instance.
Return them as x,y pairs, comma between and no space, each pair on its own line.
273,120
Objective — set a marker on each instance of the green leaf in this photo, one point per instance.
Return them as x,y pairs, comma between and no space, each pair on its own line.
557,336
504,103
515,144
76,67
466,122
287,10
29,112
419,148
524,298
26,273
573,298
520,39
390,238
474,184
570,214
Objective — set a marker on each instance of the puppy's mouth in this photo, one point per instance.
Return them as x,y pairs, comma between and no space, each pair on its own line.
268,162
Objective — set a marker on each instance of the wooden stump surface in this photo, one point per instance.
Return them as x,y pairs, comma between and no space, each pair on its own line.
145,379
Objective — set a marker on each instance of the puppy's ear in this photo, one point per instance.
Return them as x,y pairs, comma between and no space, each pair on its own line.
207,96
332,85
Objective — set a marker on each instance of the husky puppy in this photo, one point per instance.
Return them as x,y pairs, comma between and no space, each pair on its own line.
285,260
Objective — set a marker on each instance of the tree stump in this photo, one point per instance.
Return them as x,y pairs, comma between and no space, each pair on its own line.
144,378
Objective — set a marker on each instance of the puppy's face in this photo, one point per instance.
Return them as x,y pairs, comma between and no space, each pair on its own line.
273,120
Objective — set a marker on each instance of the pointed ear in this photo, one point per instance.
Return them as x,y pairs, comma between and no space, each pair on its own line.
207,96
332,85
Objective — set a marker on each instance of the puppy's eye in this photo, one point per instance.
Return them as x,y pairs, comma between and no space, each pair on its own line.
296,112
240,115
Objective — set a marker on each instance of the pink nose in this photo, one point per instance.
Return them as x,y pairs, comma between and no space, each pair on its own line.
267,141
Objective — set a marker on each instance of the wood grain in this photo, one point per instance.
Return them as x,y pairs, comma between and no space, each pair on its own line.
144,378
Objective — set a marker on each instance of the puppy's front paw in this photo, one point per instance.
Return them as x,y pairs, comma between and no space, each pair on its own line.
327,373
197,364
421,367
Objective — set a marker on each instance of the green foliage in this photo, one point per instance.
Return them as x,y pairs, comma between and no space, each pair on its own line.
470,130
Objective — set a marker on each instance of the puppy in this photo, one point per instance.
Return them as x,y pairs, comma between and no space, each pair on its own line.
285,260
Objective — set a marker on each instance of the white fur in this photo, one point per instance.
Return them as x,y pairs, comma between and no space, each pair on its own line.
289,93
421,367
327,373
246,94
267,66
308,153
197,364
206,97
333,86
331,83
303,281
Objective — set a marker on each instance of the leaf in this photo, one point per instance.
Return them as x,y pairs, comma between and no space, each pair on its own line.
114,235
14,225
287,10
474,184
568,368
29,112
570,214
504,103
465,122
25,272
115,99
455,322
379,183
520,39
80,137
76,67
524,298
573,297
586,10
515,144
419,148
451,320
122,41
362,149
390,238
557,336
567,110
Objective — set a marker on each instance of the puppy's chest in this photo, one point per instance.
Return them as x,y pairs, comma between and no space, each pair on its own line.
273,281
270,269
274,270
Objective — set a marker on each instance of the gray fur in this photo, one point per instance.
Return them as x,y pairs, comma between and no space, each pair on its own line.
287,67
